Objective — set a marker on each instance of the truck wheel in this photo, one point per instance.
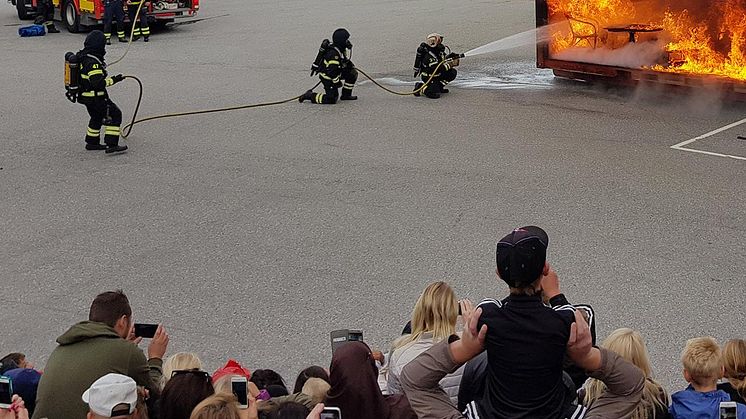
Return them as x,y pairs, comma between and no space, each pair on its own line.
23,14
71,17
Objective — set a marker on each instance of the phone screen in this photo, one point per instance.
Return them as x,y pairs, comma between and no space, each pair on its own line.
145,330
239,388
728,412
6,392
355,337
330,414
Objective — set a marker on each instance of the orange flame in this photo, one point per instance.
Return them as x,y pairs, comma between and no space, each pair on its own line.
708,43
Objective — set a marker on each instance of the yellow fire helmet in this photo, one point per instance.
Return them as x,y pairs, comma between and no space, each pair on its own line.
434,39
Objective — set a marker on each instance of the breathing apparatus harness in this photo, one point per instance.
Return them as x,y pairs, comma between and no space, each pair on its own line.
327,45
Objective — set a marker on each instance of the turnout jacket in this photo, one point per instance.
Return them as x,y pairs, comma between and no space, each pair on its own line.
333,64
93,78
430,61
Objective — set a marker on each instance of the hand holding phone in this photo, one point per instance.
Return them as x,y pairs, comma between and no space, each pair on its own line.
240,388
6,392
728,410
331,413
145,330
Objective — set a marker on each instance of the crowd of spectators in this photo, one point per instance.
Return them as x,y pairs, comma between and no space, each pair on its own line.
531,354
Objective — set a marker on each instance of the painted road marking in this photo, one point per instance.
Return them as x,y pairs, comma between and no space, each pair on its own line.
680,146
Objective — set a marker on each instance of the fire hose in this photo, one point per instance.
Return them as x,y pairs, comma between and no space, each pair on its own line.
132,35
128,128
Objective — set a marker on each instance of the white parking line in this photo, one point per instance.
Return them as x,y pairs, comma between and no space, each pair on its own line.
680,146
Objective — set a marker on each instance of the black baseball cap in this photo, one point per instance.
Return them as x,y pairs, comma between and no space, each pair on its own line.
521,256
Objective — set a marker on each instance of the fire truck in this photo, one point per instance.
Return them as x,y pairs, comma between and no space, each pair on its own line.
76,15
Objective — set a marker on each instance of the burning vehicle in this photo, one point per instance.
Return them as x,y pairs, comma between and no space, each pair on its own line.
691,43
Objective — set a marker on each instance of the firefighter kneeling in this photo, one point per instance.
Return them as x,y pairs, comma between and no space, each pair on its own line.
429,55
86,81
334,67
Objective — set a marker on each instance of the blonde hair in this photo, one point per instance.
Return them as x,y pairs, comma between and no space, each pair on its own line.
180,361
703,360
734,360
217,406
629,345
316,388
436,311
223,384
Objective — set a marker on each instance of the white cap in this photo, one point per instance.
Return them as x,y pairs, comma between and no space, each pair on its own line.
110,391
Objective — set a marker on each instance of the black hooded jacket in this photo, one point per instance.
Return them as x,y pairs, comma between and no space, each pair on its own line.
94,80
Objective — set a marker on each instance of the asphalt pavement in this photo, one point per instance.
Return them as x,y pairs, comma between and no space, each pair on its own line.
252,234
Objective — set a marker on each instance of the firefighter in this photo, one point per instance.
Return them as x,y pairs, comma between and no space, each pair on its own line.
113,9
93,94
335,70
45,15
429,55
143,28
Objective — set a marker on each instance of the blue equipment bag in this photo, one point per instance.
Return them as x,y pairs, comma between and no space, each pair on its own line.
33,30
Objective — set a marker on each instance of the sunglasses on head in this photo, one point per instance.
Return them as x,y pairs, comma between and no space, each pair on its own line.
193,371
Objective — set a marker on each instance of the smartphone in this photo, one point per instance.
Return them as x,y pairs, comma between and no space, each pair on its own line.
145,330
6,392
342,336
331,413
240,388
728,410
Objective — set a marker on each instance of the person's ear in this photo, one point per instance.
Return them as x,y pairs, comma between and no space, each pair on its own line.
497,272
687,376
90,415
546,268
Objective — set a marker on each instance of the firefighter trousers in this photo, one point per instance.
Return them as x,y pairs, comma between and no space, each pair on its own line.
331,89
440,80
44,13
103,112
113,9
143,28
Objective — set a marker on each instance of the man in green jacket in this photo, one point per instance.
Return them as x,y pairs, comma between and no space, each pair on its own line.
91,349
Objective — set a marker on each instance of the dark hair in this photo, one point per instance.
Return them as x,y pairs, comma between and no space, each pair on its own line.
108,307
11,361
183,392
311,372
266,378
289,410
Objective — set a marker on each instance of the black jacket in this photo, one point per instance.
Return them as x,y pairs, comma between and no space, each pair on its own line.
526,344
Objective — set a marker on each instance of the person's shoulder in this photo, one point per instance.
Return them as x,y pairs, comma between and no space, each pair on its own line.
490,304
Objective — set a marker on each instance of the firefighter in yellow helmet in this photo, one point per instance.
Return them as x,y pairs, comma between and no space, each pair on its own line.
431,53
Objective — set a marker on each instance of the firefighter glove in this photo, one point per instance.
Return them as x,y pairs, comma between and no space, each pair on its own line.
116,79
416,72
314,70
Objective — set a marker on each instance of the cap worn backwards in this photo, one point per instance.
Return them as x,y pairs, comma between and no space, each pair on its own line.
112,395
521,256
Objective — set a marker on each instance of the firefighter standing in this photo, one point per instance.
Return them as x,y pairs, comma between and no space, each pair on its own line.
93,94
45,15
429,55
113,9
142,28
335,70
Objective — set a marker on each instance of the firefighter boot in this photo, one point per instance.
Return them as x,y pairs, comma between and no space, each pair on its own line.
146,38
309,95
417,86
51,28
115,148
347,94
432,92
91,147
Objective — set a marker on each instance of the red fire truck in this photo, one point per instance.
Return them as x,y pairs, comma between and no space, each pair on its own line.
78,14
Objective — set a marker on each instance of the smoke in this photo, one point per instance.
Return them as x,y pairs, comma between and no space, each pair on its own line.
632,55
